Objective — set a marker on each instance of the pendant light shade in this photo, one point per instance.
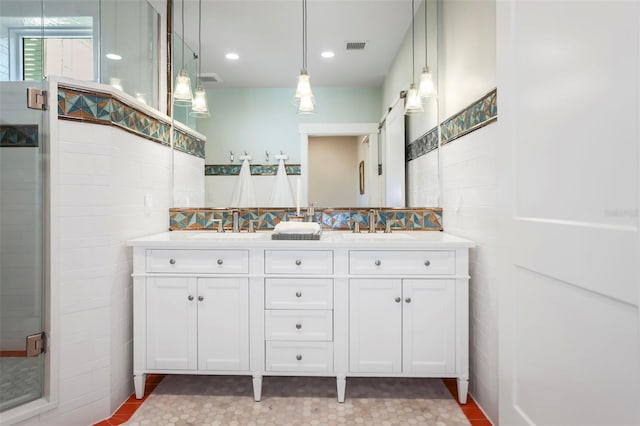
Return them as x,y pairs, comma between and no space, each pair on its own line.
425,88
199,107
304,96
182,93
413,102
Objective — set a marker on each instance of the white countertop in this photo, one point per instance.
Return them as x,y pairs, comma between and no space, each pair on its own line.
328,239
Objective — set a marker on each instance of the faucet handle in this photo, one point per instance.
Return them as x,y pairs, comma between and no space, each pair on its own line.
220,224
252,225
356,226
387,229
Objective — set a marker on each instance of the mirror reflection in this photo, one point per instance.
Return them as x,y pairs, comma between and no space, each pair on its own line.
359,57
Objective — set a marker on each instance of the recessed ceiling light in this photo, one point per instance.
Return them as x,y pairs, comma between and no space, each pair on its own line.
232,56
328,54
113,56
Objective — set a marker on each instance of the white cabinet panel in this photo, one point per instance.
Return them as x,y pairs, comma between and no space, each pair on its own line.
198,261
223,324
299,293
304,325
298,261
402,262
311,357
375,328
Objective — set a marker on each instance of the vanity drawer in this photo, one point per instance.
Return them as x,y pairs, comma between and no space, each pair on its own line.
299,325
289,293
198,261
299,356
298,261
403,262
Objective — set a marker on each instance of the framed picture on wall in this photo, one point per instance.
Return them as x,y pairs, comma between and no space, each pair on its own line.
362,177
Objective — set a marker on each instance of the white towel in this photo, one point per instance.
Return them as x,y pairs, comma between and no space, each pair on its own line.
281,195
243,194
298,228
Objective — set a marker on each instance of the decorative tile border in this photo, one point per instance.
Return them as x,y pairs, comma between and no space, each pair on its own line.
19,135
256,169
423,145
414,219
106,109
475,116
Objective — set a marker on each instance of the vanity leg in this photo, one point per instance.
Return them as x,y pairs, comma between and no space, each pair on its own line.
463,387
138,383
341,383
257,387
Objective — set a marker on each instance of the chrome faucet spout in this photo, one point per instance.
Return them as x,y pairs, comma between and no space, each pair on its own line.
235,221
372,220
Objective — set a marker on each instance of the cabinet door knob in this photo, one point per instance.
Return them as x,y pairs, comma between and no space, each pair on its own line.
200,298
408,300
298,357
190,297
172,261
298,326
298,294
298,262
398,299
220,261
427,263
378,263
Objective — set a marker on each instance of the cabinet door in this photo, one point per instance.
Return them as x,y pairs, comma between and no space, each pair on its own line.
375,328
429,314
171,324
223,324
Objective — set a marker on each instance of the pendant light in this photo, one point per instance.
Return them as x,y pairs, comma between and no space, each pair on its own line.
199,106
425,88
413,103
182,94
304,96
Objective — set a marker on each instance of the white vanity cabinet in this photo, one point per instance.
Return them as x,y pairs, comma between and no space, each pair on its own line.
344,306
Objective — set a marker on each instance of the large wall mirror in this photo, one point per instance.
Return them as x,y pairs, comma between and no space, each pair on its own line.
379,159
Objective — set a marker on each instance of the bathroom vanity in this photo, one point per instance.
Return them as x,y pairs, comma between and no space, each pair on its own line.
348,305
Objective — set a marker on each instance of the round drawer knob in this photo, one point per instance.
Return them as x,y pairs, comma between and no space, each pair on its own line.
298,326
298,262
190,297
427,263
298,357
298,294
200,298
378,263
398,299
408,300
220,261
172,261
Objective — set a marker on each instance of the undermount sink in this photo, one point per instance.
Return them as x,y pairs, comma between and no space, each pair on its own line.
376,236
229,236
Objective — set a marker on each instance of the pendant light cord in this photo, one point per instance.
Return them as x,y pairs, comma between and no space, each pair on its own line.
426,48
183,42
304,35
413,44
199,41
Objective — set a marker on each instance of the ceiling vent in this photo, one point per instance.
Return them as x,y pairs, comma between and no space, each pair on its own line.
355,45
210,77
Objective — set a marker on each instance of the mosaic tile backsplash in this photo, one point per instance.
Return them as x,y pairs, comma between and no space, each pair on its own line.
106,109
256,169
19,135
200,219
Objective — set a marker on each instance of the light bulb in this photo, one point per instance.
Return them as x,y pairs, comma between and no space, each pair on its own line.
303,89
182,93
199,106
306,105
413,102
425,89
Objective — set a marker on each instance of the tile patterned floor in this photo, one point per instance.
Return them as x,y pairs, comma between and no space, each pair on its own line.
226,400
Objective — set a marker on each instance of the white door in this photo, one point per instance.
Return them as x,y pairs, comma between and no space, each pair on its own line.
223,324
429,329
171,324
568,195
375,325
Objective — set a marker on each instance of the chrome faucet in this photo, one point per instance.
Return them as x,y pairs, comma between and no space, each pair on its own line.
220,224
373,217
235,221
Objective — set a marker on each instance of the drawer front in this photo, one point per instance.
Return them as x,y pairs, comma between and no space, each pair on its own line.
298,262
402,262
198,261
299,293
298,325
299,356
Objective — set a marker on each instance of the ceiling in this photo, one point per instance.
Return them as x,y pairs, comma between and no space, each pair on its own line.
267,34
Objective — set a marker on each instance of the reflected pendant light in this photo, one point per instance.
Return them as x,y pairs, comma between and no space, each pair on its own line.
304,96
199,106
182,94
413,103
425,88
